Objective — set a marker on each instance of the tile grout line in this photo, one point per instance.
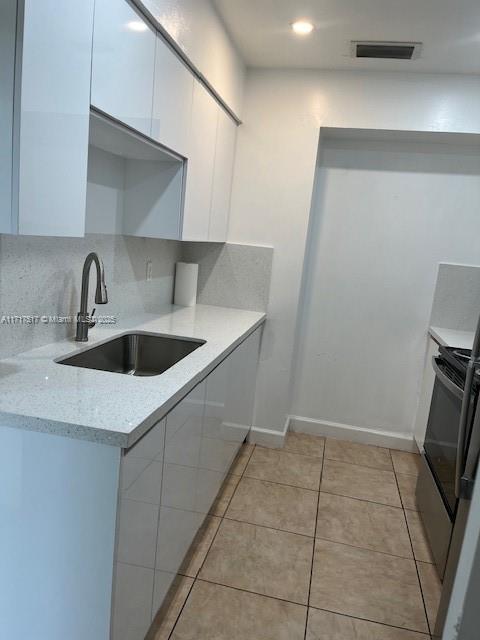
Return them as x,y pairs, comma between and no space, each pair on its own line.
225,517
380,504
194,580
284,484
306,606
296,453
357,464
354,546
383,624
314,538
266,526
254,593
414,558
383,504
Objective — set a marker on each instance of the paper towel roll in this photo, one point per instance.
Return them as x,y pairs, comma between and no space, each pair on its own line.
186,277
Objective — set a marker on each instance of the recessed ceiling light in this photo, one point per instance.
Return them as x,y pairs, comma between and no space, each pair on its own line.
137,25
302,27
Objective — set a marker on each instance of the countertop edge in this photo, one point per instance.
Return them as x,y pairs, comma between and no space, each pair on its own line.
118,438
451,337
63,429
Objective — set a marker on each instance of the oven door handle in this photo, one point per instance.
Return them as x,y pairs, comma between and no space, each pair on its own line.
451,386
463,428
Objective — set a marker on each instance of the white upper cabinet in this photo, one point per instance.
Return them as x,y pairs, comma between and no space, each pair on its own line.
222,177
199,32
52,102
201,160
172,100
123,64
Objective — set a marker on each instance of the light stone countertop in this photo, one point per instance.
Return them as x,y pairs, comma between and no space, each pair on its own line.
452,337
38,394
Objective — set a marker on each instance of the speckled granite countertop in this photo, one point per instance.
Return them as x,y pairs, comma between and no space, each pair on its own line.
452,337
36,393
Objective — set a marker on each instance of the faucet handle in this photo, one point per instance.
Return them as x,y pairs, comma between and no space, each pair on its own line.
91,322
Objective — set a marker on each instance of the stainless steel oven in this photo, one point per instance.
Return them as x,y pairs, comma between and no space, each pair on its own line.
450,461
442,437
436,491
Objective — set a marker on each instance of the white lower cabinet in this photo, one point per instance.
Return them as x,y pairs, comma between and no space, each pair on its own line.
141,473
425,399
169,481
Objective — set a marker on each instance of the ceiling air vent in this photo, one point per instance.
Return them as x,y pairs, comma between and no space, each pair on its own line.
386,50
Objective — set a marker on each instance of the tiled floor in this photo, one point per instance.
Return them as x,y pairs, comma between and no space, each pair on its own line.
318,541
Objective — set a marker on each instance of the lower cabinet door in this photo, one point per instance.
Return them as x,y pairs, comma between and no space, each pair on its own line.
229,407
137,530
180,515
169,482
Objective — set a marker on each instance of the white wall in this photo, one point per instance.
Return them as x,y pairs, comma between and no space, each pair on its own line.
198,30
275,168
384,215
8,16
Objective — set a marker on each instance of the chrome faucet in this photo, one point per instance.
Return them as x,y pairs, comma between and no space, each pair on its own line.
84,321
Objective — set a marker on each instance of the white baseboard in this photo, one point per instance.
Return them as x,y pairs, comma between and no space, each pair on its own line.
268,437
402,441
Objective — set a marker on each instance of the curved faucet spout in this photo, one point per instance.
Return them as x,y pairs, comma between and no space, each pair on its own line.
101,297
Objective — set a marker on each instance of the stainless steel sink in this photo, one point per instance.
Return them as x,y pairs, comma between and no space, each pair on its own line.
135,354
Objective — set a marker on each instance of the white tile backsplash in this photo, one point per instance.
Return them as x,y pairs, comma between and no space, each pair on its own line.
231,275
456,302
42,276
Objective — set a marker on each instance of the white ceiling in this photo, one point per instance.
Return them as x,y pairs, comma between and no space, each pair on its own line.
449,30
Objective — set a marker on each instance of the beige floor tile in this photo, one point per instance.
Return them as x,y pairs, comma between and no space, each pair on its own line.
356,453
366,584
200,546
274,505
168,614
241,461
405,462
223,499
356,481
431,589
287,468
407,486
215,612
421,547
363,524
304,443
324,625
261,560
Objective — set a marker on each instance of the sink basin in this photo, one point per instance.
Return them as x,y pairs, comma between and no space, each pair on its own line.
135,354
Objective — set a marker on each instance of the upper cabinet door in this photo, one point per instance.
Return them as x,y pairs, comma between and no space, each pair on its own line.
172,100
201,159
52,114
222,177
123,64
